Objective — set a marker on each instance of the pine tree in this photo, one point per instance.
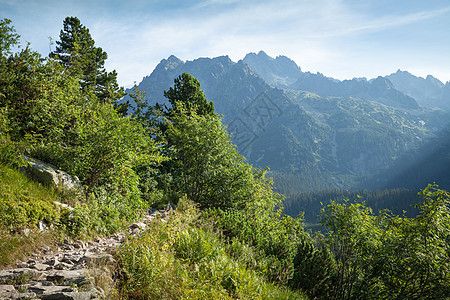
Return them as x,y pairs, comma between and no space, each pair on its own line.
187,96
76,51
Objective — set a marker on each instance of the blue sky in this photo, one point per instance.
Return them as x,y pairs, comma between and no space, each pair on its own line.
339,38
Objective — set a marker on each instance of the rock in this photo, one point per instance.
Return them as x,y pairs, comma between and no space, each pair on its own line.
64,205
50,175
52,261
25,296
7,291
40,267
79,244
42,226
63,266
26,232
47,290
21,274
69,296
97,259
72,276
71,258
139,225
22,265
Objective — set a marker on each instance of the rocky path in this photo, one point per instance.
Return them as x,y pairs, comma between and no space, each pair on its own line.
68,271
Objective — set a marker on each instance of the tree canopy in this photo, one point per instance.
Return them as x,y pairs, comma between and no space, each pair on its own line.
76,51
187,96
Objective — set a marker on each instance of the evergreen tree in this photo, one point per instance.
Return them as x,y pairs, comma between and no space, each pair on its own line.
77,52
187,96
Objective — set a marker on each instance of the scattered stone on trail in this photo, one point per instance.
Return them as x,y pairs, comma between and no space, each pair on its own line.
65,273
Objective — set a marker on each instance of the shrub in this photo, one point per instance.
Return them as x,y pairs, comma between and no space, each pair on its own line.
184,259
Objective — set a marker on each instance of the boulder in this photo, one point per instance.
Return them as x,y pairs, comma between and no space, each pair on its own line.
50,175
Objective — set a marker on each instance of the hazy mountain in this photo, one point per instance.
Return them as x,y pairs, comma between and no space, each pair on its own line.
280,71
428,92
379,89
321,132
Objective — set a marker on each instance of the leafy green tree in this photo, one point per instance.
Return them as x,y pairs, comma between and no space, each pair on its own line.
391,257
76,51
205,164
186,97
314,268
8,37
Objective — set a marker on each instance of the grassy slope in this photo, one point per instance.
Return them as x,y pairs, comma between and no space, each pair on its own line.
23,203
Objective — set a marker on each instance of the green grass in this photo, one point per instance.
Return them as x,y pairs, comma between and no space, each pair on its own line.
183,259
23,203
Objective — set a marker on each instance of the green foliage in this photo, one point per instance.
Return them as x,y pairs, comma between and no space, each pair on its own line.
183,259
388,256
186,97
205,164
8,38
314,268
397,201
105,211
48,113
10,151
77,53
24,203
274,238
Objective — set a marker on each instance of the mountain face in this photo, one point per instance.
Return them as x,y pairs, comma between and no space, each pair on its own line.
428,92
326,132
379,89
280,72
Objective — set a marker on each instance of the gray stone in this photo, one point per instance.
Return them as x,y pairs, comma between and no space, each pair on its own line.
64,266
42,226
73,276
96,259
140,225
14,274
69,296
7,291
40,267
46,290
71,258
22,265
50,175
25,296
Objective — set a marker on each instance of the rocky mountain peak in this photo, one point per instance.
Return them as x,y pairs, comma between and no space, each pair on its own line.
280,71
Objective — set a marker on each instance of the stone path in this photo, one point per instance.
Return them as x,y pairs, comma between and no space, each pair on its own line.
66,273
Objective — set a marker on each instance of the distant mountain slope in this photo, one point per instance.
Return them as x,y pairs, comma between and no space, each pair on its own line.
329,142
379,89
280,72
428,92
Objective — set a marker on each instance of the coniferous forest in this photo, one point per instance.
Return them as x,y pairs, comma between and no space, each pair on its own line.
234,232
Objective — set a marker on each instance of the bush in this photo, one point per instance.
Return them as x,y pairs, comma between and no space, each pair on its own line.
184,259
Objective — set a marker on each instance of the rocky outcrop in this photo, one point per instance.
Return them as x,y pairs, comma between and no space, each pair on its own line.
50,175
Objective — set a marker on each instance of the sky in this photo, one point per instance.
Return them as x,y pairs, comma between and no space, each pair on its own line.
338,38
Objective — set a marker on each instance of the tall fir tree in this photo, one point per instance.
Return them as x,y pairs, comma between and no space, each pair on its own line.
76,51
187,96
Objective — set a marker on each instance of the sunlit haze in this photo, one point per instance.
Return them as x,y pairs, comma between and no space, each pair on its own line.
342,39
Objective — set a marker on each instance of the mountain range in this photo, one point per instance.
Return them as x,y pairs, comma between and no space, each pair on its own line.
315,132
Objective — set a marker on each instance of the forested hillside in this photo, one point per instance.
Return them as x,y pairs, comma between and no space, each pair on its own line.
227,237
